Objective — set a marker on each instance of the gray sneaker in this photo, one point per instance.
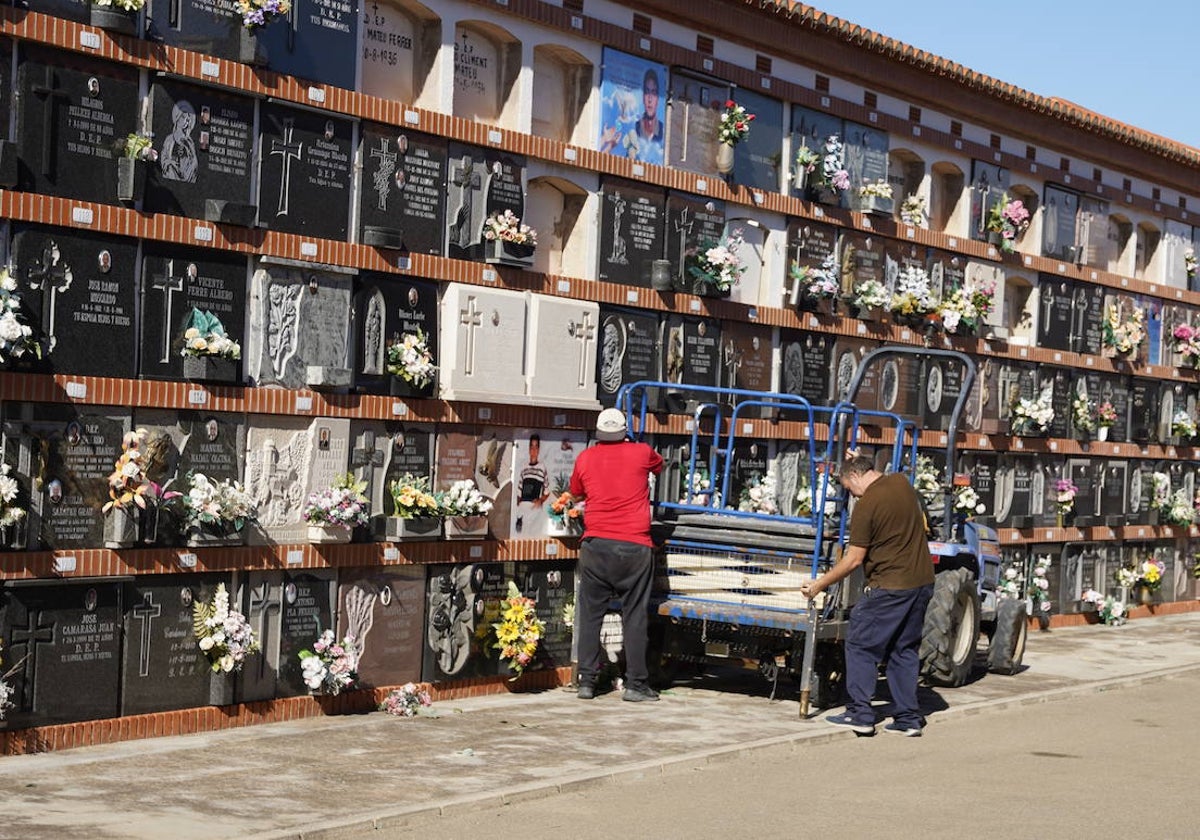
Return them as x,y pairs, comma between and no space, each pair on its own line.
587,691
638,693
905,729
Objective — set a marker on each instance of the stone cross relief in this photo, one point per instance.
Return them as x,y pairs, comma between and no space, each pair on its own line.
145,613
53,278
168,283
262,605
467,226
472,318
288,150
617,255
51,96
381,179
24,643
683,226
368,457
585,333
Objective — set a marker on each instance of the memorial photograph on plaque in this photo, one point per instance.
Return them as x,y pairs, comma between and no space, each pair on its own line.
71,111
633,219
205,142
402,202
633,107
306,160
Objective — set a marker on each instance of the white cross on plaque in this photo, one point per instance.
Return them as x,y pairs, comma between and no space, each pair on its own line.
472,319
584,332
289,151
145,613
168,284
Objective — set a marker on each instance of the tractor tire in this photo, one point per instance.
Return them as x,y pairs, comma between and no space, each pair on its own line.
951,629
1007,648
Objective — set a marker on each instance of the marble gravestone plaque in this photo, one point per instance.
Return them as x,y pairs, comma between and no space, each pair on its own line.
982,411
1173,316
757,165
1013,477
693,223
560,358
671,484
989,184
982,468
980,274
691,350
1088,474
485,458
387,309
162,668
286,459
792,467
632,231
1087,318
482,344
1097,248
1056,308
303,608
947,271
810,129
693,118
1143,410
79,288
383,452
1061,394
61,457
543,460
746,359
1113,495
176,280
479,183
213,28
893,385
805,363
1059,216
809,244
461,603
862,257
384,608
628,352
298,318
205,142
306,159
551,585
1015,381
402,199
61,637
939,388
70,112
316,40
844,356
260,598
865,156
393,48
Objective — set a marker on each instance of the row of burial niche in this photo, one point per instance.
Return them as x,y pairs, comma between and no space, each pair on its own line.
131,641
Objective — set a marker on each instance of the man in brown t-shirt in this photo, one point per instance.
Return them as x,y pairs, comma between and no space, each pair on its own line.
887,534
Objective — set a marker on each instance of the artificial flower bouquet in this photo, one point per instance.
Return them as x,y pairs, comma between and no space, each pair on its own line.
913,211
718,265
409,357
406,701
818,283
16,337
1064,496
1187,344
1083,413
967,502
927,482
1189,263
913,296
341,505
412,498
256,13
1106,414
1007,219
518,631
331,666
1124,333
128,485
1032,416
1182,424
734,125
1147,573
123,5
1110,610
463,499
1038,587
833,174
507,227
806,163
870,294
1180,509
223,505
876,189
759,495
223,633
700,491
566,514
10,513
136,146
1160,491
205,336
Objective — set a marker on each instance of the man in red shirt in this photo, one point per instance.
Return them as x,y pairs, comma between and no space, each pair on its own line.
616,554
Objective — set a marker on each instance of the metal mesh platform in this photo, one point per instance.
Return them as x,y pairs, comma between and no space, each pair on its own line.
737,579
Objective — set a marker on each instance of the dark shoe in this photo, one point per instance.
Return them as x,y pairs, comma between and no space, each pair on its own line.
638,693
860,729
587,691
905,729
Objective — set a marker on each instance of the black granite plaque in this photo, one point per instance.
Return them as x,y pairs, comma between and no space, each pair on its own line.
809,245
212,443
480,182
61,457
672,484
77,10
1143,410
205,142
306,160
629,351
1062,393
989,183
865,155
1059,210
691,350
306,610
384,609
692,224
811,128
81,287
805,365
214,28
462,602
757,162
162,667
71,112
947,272
67,641
386,309
1012,492
863,258
939,388
747,464
1015,381
746,360
632,231
317,40
1056,302
982,469
402,203
175,281
410,453
551,585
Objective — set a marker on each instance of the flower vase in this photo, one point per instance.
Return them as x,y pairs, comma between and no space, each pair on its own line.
121,527
398,386
209,369
213,535
994,237
661,279
872,314
467,527
220,688
249,50
800,180
131,179
113,19
568,526
1102,433
419,528
1144,595
724,158
1060,520
875,205
503,252
328,534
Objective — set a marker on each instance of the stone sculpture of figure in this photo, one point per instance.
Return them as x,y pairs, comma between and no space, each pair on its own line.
373,337
178,160
612,352
283,324
451,619
461,233
617,257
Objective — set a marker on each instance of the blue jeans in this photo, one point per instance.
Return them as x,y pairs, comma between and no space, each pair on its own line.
886,626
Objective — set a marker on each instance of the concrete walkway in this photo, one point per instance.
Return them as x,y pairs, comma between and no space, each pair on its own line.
341,776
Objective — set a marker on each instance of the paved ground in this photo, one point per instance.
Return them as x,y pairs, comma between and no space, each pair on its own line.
343,776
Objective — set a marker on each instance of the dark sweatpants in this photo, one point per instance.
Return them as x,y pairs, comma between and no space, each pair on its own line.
886,626
613,570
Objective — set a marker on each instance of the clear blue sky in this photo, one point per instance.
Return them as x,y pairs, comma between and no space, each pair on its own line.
1134,62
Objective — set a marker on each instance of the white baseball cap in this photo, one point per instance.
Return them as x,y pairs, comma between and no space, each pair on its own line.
610,425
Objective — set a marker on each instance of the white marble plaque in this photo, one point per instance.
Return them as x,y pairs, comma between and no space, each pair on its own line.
387,54
561,365
476,76
482,344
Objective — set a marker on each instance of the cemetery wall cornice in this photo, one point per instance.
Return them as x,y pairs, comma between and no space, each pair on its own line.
820,40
